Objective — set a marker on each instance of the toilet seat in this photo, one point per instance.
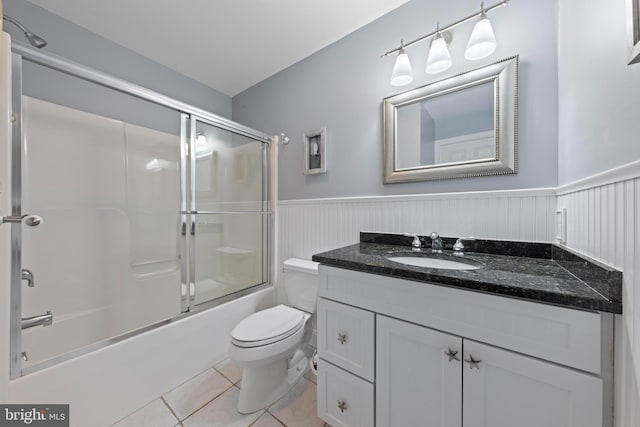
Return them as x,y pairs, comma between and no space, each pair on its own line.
268,326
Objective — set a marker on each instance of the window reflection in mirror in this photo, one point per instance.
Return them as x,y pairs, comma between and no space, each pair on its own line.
454,127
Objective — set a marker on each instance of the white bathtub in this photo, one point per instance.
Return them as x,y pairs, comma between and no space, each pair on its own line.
108,384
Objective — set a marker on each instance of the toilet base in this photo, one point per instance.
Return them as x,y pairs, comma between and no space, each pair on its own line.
263,385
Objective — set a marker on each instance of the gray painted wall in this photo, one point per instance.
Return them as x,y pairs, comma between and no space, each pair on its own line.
80,45
342,87
599,96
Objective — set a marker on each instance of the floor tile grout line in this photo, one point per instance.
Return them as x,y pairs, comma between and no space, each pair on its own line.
223,374
276,418
170,409
226,377
264,411
209,401
190,379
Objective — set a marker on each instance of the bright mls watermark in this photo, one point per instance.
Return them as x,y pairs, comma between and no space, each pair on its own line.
34,415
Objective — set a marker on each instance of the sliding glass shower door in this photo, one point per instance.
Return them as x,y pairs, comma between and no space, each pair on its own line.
127,211
228,212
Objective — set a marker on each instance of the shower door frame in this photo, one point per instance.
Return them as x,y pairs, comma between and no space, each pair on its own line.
188,113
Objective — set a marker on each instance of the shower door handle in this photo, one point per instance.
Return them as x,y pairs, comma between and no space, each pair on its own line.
43,319
30,220
28,276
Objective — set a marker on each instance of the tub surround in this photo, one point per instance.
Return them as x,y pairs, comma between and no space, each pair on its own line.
539,272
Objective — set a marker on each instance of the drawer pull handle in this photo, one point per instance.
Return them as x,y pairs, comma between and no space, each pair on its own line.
452,354
342,337
342,405
473,363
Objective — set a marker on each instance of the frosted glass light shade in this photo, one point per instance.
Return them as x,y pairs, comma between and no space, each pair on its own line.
402,74
439,58
482,42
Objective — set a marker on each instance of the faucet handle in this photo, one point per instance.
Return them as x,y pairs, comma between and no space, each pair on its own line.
458,246
416,243
434,235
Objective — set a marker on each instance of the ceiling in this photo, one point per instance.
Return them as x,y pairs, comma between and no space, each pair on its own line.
229,45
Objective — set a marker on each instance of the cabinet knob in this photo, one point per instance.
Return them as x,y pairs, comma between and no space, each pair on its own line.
473,363
342,405
342,337
452,354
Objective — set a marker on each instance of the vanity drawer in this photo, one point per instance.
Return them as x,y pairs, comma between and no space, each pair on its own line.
343,399
346,337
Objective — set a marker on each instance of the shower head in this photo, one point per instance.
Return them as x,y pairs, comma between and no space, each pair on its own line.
34,39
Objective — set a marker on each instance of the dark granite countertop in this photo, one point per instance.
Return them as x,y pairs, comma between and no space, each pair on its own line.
537,272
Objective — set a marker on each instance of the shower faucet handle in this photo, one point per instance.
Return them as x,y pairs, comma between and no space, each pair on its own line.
28,276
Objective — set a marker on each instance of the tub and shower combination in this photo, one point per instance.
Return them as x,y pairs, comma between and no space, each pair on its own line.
136,232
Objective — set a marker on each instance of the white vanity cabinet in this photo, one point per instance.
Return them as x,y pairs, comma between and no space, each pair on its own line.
510,389
416,382
449,357
424,376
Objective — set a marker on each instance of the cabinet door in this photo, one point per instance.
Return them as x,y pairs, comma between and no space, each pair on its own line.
417,383
506,389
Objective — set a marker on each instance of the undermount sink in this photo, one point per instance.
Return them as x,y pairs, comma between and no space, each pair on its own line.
440,262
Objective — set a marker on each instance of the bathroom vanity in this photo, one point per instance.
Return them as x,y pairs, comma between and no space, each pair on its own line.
523,340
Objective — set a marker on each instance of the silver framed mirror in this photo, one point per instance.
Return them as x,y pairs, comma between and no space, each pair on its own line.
463,126
633,30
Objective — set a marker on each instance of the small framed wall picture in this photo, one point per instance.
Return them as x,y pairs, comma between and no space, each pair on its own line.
315,148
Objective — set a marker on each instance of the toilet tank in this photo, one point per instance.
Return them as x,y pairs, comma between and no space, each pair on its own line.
301,283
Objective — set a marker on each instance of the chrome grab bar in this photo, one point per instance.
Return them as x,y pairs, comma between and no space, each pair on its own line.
43,319
28,276
30,220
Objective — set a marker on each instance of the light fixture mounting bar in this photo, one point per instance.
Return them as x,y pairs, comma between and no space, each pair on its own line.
448,27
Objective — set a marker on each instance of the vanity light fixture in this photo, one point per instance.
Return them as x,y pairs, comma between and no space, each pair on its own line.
439,58
482,43
401,74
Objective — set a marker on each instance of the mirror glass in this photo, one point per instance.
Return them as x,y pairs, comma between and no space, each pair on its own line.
462,126
450,128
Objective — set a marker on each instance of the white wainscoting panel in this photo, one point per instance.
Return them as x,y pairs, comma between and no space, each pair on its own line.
603,221
307,227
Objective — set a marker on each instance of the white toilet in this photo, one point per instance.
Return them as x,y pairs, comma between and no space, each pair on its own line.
267,344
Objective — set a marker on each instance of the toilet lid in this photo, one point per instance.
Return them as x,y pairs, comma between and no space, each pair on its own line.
267,326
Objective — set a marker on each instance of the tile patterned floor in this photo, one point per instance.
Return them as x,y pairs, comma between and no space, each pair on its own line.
210,399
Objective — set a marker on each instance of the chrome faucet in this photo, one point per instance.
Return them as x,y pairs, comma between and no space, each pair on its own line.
436,243
41,320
